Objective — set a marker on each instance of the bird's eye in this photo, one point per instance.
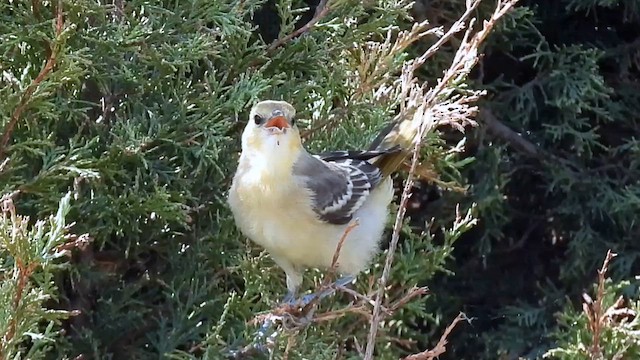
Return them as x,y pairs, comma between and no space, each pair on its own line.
258,119
293,121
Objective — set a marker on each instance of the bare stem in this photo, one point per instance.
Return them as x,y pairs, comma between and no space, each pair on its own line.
455,28
352,225
437,106
26,96
440,347
594,309
502,131
321,11
395,237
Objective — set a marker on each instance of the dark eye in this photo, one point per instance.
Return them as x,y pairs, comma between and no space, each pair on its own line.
293,121
258,119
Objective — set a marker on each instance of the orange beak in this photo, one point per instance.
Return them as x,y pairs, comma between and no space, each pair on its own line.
279,122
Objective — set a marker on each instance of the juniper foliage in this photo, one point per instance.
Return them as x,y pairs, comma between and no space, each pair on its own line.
556,180
135,108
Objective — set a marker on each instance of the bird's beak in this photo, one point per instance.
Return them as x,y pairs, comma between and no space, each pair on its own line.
279,122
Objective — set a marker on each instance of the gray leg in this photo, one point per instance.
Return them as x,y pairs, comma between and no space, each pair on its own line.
266,332
343,281
294,278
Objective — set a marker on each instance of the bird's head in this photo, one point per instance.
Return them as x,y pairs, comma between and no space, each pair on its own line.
271,129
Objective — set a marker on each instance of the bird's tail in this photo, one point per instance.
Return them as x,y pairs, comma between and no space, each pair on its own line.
397,141
389,149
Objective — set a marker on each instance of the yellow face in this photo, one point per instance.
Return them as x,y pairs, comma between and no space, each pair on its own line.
271,131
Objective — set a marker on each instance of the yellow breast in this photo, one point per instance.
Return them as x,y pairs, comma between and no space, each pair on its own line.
262,197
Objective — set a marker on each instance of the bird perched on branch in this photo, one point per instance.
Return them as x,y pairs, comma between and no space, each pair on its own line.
297,205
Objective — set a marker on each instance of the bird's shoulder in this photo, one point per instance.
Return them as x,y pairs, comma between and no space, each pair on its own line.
339,183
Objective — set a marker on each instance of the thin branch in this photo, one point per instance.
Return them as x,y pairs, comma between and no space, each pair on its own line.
26,96
412,293
454,29
395,237
594,309
331,315
362,297
3,165
21,273
505,133
326,282
466,57
336,254
438,106
440,347
321,11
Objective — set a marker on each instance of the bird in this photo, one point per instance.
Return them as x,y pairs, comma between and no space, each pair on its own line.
298,205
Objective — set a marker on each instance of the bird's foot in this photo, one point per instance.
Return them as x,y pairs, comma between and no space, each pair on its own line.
307,299
265,337
290,298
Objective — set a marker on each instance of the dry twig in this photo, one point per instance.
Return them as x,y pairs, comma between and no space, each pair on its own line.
326,282
505,133
440,105
455,28
397,227
441,346
594,311
321,11
294,318
336,254
26,96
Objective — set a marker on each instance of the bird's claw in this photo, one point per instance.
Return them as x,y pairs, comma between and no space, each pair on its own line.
265,336
290,299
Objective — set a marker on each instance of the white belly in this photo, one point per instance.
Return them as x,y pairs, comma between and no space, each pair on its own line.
280,219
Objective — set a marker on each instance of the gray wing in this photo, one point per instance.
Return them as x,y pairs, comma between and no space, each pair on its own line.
338,187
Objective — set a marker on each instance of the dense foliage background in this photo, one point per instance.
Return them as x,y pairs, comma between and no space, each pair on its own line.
121,120
563,75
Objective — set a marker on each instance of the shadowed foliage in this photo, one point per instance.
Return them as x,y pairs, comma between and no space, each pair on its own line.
121,121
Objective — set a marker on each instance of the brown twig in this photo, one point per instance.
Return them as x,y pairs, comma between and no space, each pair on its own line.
594,309
26,96
441,346
412,293
361,297
505,133
332,315
437,108
395,237
454,29
23,273
321,11
405,343
466,57
336,254
326,282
